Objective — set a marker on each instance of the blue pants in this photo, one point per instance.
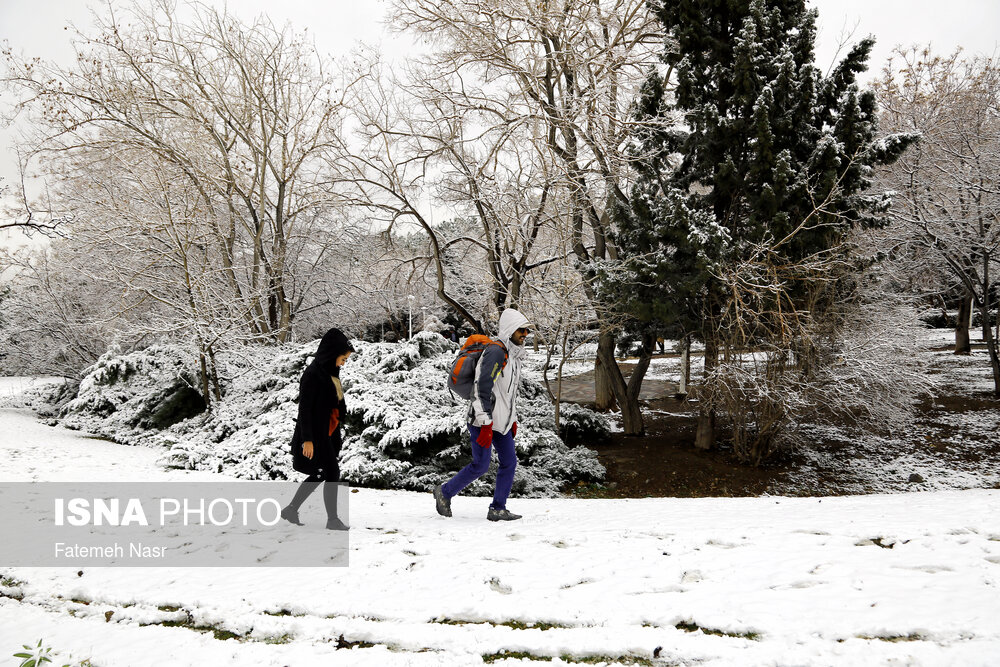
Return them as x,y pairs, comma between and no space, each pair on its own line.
504,444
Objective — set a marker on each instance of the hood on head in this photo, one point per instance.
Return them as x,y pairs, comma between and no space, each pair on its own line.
510,321
333,345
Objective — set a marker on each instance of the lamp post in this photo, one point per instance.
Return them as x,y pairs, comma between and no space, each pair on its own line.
423,317
409,312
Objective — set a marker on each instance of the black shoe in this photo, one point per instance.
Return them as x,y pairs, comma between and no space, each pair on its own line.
502,515
336,524
290,515
442,502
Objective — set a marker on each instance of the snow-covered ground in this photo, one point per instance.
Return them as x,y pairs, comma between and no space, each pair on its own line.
907,579
951,444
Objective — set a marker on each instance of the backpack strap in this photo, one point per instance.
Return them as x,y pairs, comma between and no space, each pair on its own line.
506,355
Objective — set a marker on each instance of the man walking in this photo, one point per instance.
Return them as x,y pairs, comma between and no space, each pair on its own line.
493,419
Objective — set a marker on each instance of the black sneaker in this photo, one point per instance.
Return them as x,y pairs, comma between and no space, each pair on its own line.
502,515
442,502
290,515
336,524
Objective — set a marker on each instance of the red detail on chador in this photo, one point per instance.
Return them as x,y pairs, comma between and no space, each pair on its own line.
334,420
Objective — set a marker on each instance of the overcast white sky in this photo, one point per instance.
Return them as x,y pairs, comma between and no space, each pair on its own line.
36,27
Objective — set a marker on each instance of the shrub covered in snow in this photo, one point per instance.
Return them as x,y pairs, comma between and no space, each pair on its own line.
402,430
45,396
125,397
248,432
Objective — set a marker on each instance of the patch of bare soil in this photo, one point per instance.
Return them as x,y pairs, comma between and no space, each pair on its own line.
665,462
952,442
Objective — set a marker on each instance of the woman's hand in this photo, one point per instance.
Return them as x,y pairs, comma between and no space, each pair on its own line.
307,449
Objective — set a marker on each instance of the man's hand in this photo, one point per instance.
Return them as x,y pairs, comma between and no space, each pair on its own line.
513,431
485,437
307,449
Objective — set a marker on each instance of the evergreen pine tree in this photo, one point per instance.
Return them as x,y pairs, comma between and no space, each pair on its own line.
768,143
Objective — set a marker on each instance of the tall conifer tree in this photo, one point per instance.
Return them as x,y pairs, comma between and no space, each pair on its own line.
771,149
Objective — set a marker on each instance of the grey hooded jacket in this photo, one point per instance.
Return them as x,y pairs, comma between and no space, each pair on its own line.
494,393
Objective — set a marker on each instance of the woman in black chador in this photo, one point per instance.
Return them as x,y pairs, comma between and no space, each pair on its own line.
316,442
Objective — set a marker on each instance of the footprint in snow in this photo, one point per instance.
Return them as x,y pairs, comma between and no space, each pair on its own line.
500,587
721,544
657,591
963,531
692,576
929,569
796,584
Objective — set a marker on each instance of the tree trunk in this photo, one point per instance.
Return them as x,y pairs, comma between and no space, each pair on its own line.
604,391
991,344
558,409
682,390
962,326
631,414
944,309
559,373
216,385
705,436
628,400
205,391
632,419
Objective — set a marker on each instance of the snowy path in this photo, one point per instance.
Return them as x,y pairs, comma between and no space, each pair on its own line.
904,579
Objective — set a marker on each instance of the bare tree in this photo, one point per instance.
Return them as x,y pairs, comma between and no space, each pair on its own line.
147,234
843,350
20,213
247,114
54,320
434,143
572,69
947,206
564,322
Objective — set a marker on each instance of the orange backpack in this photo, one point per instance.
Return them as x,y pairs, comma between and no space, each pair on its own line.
463,369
